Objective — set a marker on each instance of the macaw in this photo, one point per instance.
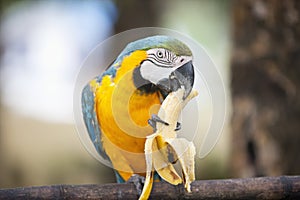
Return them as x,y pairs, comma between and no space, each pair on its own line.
119,107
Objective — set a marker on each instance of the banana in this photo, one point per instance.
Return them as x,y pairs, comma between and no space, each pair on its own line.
163,148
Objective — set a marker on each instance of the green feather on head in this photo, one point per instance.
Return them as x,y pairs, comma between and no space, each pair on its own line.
158,41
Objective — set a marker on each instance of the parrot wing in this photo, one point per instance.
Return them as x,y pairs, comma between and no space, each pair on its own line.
90,119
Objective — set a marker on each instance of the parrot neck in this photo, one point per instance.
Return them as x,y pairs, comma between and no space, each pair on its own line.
129,64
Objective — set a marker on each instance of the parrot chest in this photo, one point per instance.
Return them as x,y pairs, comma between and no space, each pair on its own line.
123,113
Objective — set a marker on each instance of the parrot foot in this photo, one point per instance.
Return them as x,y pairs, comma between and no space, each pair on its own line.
138,181
153,121
155,118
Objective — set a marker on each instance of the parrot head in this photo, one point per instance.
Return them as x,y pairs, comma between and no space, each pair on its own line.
168,64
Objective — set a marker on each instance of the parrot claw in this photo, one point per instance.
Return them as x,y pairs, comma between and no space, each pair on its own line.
178,126
153,121
138,181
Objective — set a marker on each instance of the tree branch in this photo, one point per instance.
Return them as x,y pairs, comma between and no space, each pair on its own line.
283,187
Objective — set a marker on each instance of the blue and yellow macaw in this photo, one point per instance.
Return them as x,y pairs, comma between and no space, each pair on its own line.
120,106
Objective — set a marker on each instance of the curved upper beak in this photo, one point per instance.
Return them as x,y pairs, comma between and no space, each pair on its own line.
183,77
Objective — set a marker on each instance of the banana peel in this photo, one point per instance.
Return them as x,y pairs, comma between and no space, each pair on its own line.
163,148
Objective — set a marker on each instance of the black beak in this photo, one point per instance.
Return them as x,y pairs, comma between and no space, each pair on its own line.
181,77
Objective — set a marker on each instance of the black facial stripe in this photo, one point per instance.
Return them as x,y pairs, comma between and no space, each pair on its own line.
168,55
159,64
160,61
168,58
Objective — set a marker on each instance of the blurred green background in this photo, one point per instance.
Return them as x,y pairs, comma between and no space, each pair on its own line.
43,43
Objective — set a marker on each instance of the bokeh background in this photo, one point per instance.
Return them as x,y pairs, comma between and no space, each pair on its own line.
254,44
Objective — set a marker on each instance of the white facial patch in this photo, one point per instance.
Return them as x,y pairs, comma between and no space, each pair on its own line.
160,64
153,73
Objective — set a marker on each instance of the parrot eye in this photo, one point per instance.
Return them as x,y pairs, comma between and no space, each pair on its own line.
159,54
162,57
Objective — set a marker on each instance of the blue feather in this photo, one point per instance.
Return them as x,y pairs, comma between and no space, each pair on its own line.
90,119
119,177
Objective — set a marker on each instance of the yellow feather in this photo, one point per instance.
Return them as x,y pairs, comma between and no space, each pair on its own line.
123,114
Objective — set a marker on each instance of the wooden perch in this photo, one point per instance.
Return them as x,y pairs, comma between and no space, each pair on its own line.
283,187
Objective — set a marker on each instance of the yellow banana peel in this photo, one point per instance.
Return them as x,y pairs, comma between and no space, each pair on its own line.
163,148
